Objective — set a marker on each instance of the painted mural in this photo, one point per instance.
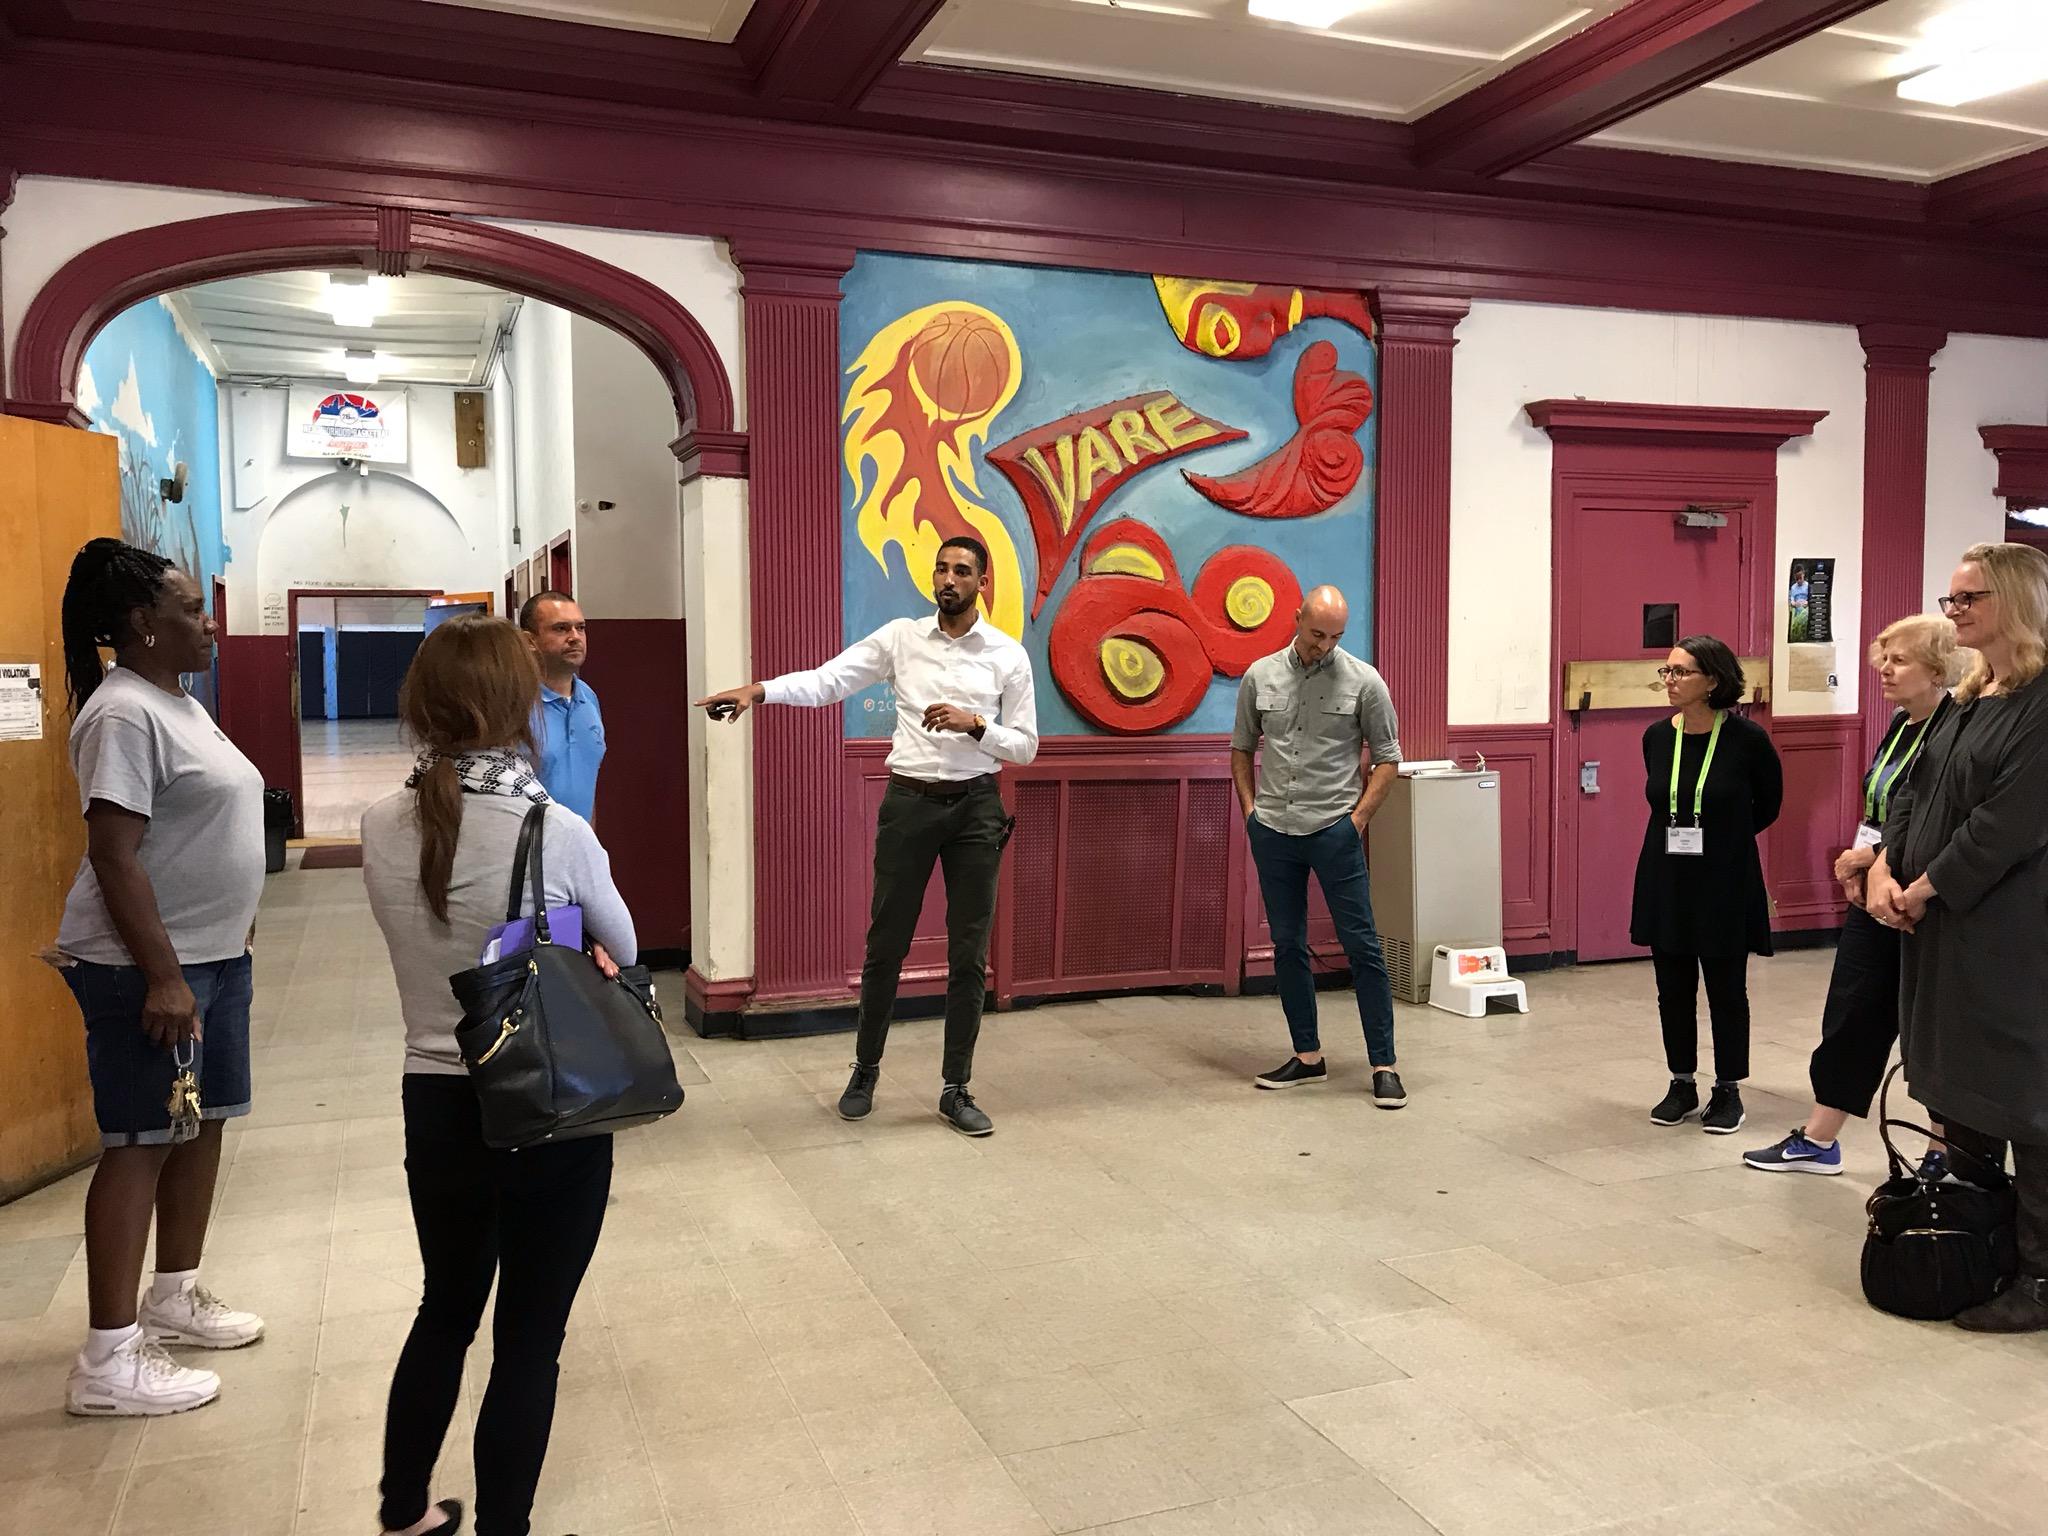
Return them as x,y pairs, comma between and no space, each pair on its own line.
1158,465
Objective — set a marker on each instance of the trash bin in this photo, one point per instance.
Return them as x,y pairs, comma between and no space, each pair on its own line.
277,826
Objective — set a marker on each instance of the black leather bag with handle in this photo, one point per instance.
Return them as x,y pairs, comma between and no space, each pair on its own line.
555,1047
1936,1249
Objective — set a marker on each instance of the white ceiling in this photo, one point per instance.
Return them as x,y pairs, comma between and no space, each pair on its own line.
434,330
714,20
1395,58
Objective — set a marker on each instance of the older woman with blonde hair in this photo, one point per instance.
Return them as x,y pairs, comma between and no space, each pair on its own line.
1916,663
1964,873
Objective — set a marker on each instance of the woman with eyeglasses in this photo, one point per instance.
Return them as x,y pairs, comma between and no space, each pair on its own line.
1964,874
1915,659
1713,783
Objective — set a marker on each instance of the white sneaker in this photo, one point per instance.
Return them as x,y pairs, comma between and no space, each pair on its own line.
200,1319
137,1381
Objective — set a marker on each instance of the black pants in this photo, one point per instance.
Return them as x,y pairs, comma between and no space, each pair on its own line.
2030,1184
1860,1023
530,1218
964,834
1678,1008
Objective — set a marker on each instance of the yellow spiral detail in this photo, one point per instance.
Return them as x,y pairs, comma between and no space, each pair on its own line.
1132,667
1249,602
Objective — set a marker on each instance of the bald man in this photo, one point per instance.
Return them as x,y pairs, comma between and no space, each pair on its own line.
1319,710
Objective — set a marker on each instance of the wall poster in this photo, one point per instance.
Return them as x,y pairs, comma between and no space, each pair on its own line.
1808,593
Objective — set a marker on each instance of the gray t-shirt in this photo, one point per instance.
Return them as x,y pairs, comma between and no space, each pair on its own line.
1317,723
426,952
160,755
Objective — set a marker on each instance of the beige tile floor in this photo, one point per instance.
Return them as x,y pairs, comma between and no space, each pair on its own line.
348,766
1155,1303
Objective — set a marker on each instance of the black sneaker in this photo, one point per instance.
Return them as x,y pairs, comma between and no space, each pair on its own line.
958,1109
1387,1091
1292,1073
859,1097
1682,1102
1724,1114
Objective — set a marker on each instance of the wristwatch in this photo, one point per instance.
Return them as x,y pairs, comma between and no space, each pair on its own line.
980,725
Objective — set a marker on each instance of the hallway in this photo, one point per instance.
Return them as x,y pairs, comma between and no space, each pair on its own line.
1154,1297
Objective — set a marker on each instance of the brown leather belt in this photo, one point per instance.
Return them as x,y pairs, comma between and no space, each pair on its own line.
941,789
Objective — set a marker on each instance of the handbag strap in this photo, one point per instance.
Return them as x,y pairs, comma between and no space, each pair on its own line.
1885,1122
530,841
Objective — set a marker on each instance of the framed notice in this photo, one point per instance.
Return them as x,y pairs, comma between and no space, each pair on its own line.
348,422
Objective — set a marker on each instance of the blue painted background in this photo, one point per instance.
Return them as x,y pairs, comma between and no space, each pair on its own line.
143,384
1088,338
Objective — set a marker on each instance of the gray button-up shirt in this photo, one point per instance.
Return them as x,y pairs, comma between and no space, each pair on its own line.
1317,722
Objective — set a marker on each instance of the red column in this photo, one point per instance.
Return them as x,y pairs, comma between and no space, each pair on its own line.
1898,363
791,297
1412,568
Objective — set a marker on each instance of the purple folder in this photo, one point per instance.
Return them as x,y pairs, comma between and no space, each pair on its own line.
565,927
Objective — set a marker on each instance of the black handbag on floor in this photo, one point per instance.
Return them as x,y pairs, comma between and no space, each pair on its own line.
556,1048
1934,1250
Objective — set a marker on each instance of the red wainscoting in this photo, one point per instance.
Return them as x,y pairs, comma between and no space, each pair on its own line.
256,703
1823,758
1123,872
1522,756
643,790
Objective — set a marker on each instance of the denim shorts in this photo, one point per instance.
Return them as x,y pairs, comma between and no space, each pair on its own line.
131,1073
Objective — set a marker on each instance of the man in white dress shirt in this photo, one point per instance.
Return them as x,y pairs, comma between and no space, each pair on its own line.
963,709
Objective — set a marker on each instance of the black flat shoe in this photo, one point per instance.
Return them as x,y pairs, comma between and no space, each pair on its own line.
451,1519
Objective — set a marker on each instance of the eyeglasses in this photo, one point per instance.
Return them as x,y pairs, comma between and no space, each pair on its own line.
1959,602
1676,674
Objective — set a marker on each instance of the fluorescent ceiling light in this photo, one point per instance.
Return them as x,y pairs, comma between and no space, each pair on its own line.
1304,13
355,302
1983,48
359,366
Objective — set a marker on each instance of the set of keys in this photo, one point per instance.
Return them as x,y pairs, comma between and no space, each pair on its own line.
184,1101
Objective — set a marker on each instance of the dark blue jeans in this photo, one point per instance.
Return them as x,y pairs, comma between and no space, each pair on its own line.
1336,856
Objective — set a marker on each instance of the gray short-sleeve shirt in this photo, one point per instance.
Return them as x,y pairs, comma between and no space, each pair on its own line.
1316,723
160,755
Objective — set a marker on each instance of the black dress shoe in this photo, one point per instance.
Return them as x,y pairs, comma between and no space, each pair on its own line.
859,1098
958,1109
2022,1307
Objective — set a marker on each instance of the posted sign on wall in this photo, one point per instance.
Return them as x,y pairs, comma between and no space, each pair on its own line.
352,422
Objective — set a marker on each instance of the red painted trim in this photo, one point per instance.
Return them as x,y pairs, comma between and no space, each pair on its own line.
793,522
1822,757
1652,457
1412,567
1593,422
2022,453
827,53
490,152
1898,366
728,995
2006,192
1627,62
98,284
699,452
1524,755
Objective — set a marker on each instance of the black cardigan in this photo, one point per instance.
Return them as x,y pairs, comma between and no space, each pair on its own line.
1713,904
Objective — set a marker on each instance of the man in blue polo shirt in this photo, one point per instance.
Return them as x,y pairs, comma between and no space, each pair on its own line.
568,727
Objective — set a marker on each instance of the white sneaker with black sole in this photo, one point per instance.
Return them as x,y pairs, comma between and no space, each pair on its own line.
139,1380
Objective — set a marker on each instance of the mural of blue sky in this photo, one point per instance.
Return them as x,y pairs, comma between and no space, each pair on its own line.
145,383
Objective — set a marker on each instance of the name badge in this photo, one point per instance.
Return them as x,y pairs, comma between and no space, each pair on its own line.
1686,840
1868,836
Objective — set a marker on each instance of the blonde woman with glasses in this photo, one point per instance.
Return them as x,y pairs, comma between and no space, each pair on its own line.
1964,874
1916,663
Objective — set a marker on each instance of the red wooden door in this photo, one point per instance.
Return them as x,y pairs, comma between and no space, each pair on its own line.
560,575
1630,566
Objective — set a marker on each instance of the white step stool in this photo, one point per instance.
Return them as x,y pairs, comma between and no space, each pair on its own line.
1465,981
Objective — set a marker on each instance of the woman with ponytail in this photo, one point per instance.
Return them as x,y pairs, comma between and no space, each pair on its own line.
437,858
155,946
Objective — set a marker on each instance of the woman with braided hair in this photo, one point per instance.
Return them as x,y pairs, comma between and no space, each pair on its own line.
155,946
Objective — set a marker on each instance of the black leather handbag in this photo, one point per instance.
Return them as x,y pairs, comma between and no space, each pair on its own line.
556,1048
1936,1249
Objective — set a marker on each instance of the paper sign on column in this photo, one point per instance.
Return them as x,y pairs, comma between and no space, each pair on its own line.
1812,670
21,701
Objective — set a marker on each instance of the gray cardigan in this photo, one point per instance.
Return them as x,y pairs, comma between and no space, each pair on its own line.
426,952
1973,817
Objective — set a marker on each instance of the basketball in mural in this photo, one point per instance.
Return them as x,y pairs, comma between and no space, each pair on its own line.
960,363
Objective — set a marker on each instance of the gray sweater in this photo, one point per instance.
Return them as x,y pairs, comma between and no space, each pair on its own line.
425,952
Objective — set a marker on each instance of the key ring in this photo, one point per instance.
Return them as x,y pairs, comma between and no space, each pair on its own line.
184,1063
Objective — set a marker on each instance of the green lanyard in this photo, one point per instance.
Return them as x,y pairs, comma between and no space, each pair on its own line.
1699,790
1877,795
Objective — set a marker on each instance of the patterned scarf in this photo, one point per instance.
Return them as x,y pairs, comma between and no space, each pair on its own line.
486,773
